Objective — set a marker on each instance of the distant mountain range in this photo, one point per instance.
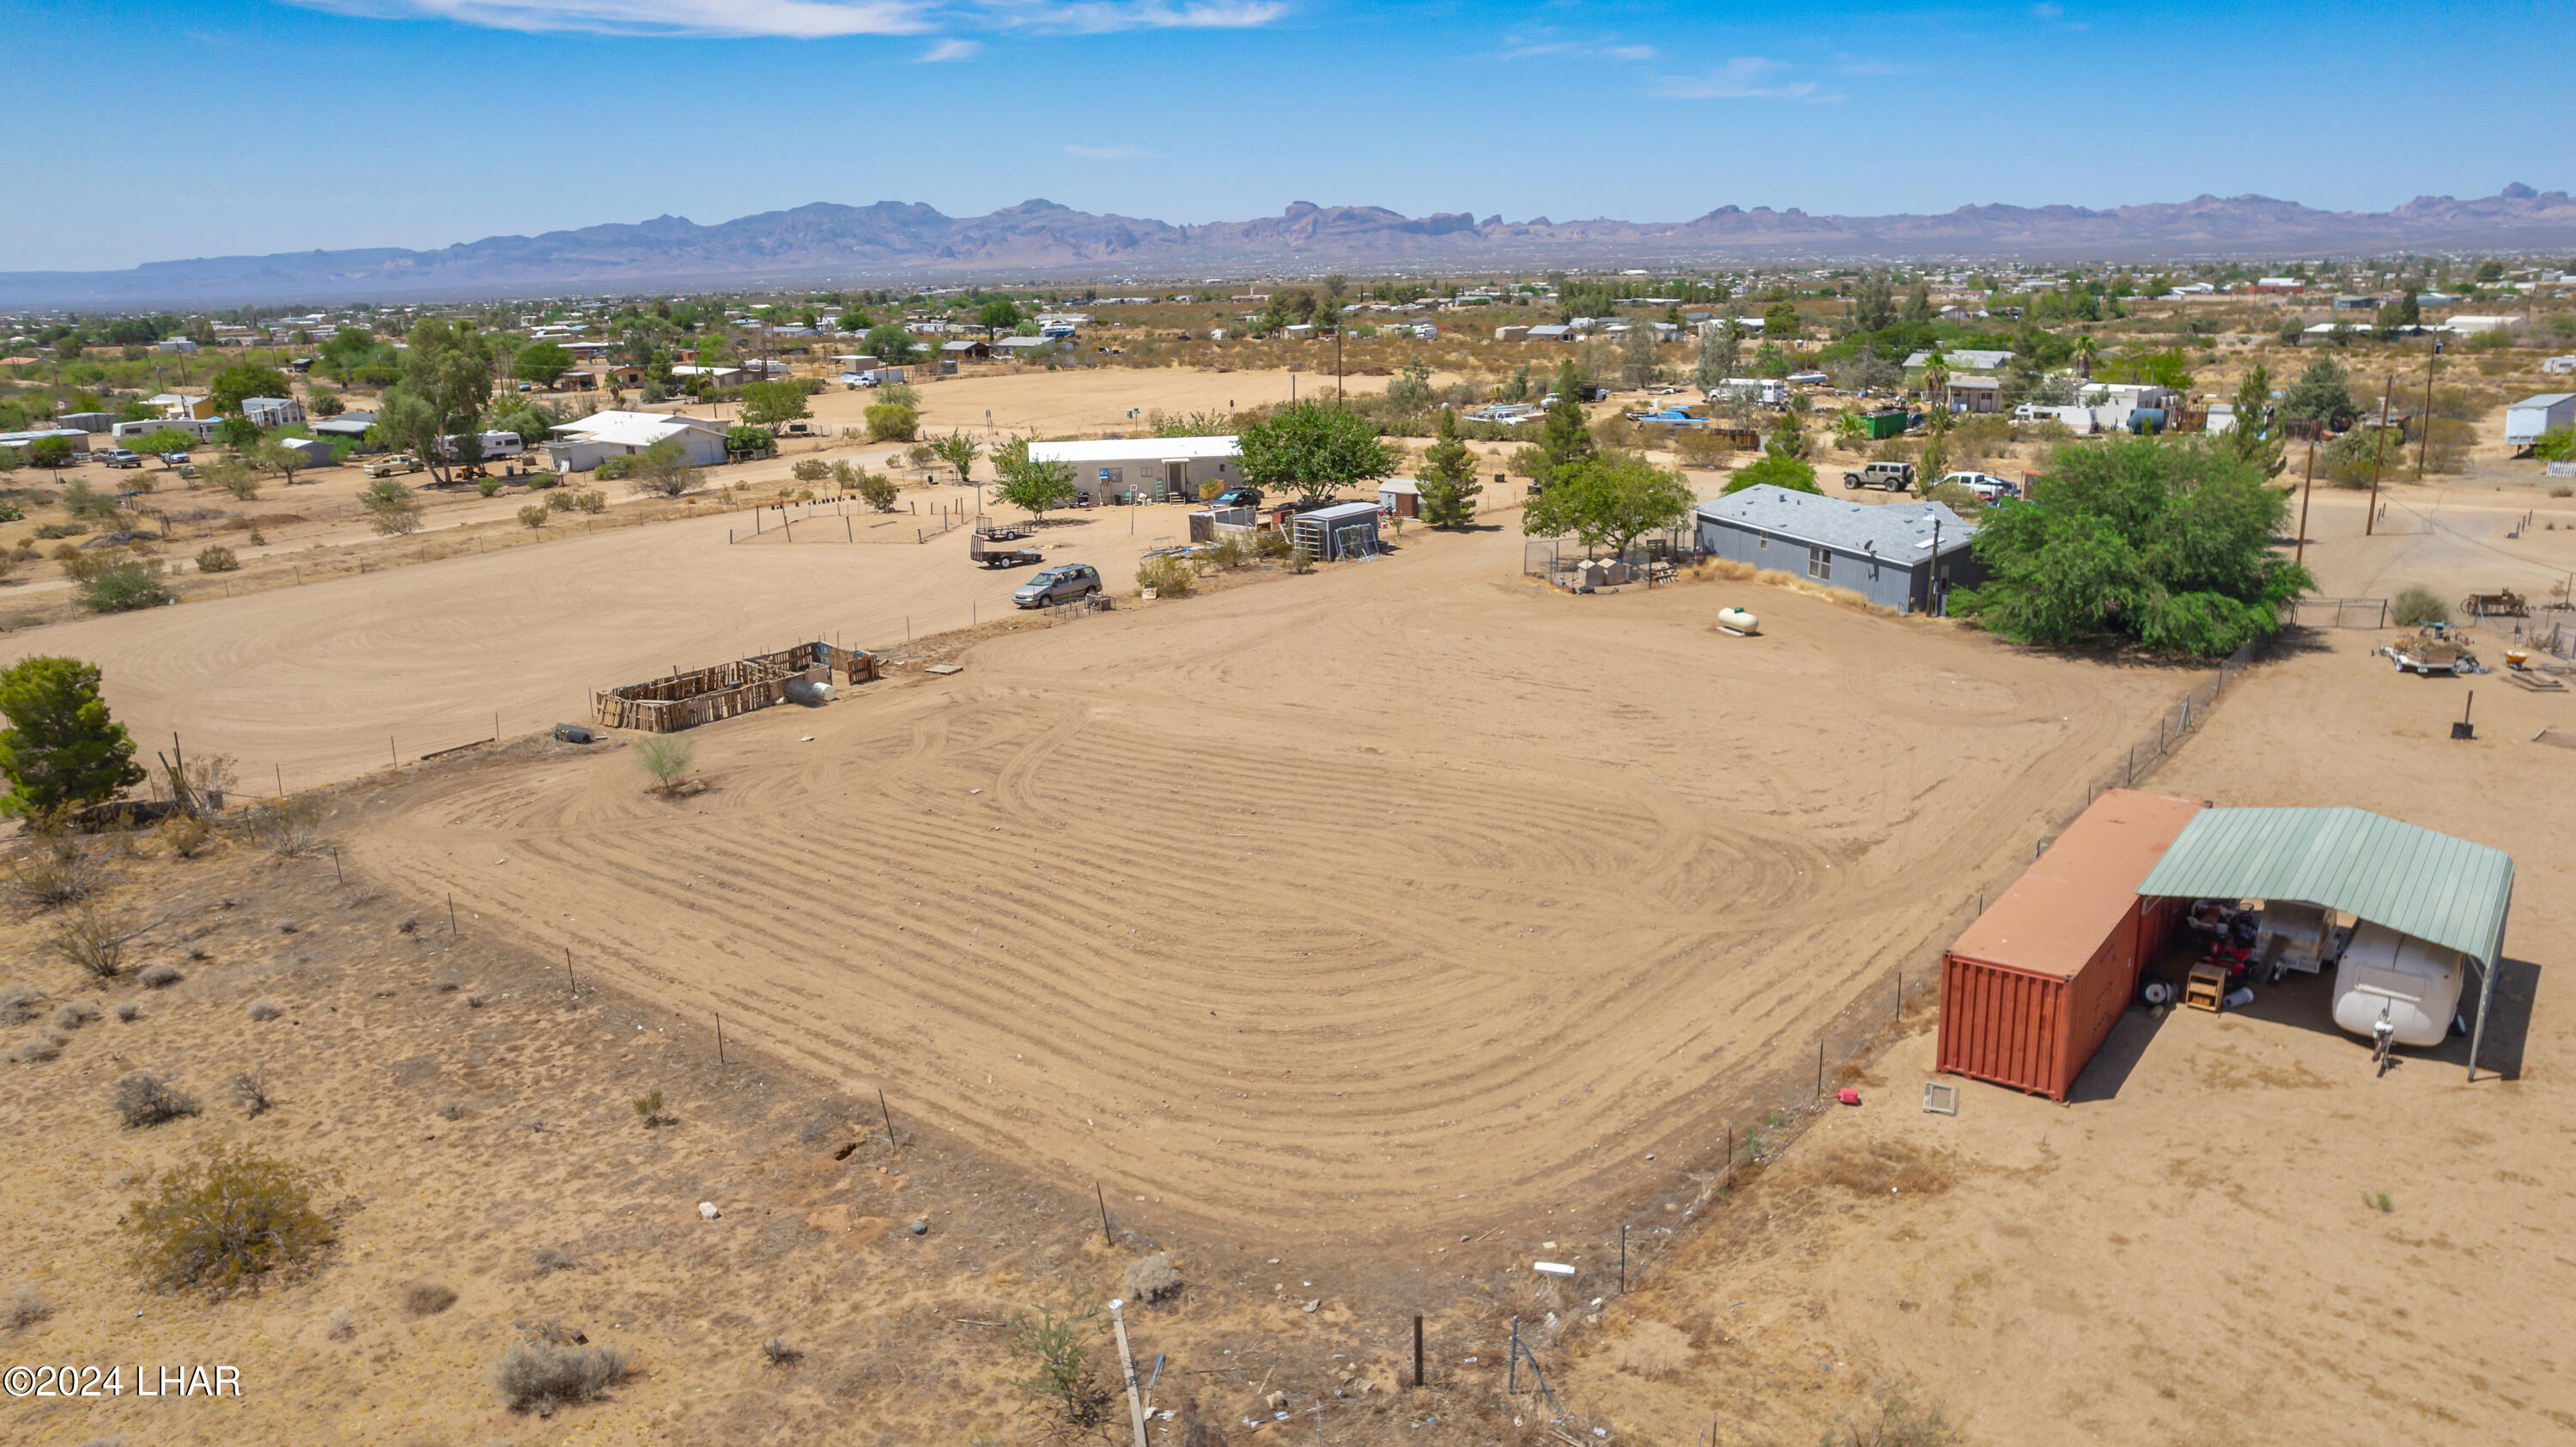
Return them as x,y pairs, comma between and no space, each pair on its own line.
900,240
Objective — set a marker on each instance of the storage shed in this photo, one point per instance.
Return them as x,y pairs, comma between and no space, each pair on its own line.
2032,988
2526,421
1399,497
1344,530
2413,884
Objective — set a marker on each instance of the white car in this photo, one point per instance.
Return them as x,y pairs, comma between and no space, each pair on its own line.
1987,486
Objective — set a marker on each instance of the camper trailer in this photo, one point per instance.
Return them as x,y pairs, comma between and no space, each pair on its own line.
2413,984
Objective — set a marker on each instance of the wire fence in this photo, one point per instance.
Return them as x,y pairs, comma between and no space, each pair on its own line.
2339,613
1565,563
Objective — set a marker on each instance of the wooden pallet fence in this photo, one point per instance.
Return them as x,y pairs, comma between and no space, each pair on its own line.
696,696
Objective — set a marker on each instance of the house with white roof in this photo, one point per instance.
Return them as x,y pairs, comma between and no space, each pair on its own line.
1145,469
583,445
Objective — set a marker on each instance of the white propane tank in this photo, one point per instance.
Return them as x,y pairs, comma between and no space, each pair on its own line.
810,692
1739,619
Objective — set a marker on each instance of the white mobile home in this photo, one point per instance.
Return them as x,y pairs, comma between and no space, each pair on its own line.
583,445
1145,469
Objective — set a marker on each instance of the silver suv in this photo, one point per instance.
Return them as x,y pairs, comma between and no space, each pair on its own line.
1060,584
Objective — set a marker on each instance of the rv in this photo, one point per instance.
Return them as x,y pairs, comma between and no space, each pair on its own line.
1769,391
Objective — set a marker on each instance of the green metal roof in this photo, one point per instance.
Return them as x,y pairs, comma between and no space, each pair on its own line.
2412,880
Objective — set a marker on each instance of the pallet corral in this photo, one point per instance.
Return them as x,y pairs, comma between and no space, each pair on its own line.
702,695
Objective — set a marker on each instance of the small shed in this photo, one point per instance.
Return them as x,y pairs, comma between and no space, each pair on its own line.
1400,497
1343,530
87,421
2032,988
2527,421
966,350
315,451
2411,882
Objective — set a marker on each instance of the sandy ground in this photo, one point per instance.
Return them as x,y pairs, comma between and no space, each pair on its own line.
1103,896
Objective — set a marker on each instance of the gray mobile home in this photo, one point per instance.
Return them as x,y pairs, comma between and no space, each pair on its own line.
1885,552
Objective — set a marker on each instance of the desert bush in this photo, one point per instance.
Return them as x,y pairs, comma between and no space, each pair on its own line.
878,490
18,1004
1697,447
811,469
216,558
24,1306
284,827
427,1298
666,757
1878,1169
1153,1279
892,422
187,835
143,1099
2416,605
123,587
2446,445
264,1009
589,500
73,1014
250,1092
226,1221
339,1325
159,977
1300,561
1229,551
535,515
779,1351
540,1376
37,1049
1056,1352
1168,576
1273,544
55,870
93,941
648,1108
547,1258
1892,1419
1654,1349
559,500
128,1011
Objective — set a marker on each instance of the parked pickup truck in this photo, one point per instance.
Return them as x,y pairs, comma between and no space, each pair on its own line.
1893,476
1987,486
391,464
120,457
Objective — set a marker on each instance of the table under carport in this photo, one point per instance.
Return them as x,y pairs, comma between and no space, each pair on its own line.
2420,888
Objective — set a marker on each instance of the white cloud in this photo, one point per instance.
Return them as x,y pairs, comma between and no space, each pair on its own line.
1108,153
2048,12
1518,49
818,19
952,50
1746,77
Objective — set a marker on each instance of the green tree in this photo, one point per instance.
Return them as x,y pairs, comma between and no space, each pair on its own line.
273,453
62,748
323,402
1778,471
1721,346
123,586
1789,438
1608,501
2322,395
1027,483
1448,477
959,451
2164,542
998,315
892,422
445,383
244,380
1874,304
889,343
50,453
1409,390
1918,304
541,362
2255,440
1313,450
661,470
161,443
766,404
1639,366
1779,322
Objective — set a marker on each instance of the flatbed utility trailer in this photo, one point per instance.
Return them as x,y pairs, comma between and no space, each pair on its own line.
995,547
2507,604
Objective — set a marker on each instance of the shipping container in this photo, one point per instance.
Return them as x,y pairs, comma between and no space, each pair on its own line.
2032,988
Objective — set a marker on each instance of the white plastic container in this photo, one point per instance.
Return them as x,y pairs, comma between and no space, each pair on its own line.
2414,984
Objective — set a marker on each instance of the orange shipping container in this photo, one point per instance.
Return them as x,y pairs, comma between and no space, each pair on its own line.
2032,988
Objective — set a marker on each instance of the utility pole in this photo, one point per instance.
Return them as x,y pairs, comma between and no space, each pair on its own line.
2424,440
2370,520
2299,554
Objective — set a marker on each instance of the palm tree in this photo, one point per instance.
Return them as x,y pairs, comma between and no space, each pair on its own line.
2087,352
1936,379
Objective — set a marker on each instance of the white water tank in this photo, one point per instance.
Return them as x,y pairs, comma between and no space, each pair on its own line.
2414,983
811,692
1739,619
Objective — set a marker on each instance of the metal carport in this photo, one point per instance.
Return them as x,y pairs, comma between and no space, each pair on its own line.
2409,879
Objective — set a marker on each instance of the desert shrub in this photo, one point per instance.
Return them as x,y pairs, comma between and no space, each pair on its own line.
37,1049
427,1298
1168,576
228,1220
540,1376
24,1306
559,500
18,1004
128,1011
2447,444
779,1351
264,1009
216,558
878,490
1273,544
1654,1349
56,870
1879,1169
547,1258
535,515
1892,1419
250,1092
612,468
339,1325
143,1099
1056,1353
1697,447
488,487
159,977
1300,561
284,827
123,587
666,757
892,422
811,469
589,500
2415,605
93,941
648,1108
1153,1279
187,835
74,1014
1229,551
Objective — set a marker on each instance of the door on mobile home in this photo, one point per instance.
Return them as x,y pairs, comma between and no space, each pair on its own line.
1176,479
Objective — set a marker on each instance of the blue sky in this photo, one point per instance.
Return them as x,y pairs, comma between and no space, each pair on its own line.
233,126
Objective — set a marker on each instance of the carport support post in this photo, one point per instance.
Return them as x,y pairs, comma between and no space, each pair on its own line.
1417,1349
2486,993
2379,446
